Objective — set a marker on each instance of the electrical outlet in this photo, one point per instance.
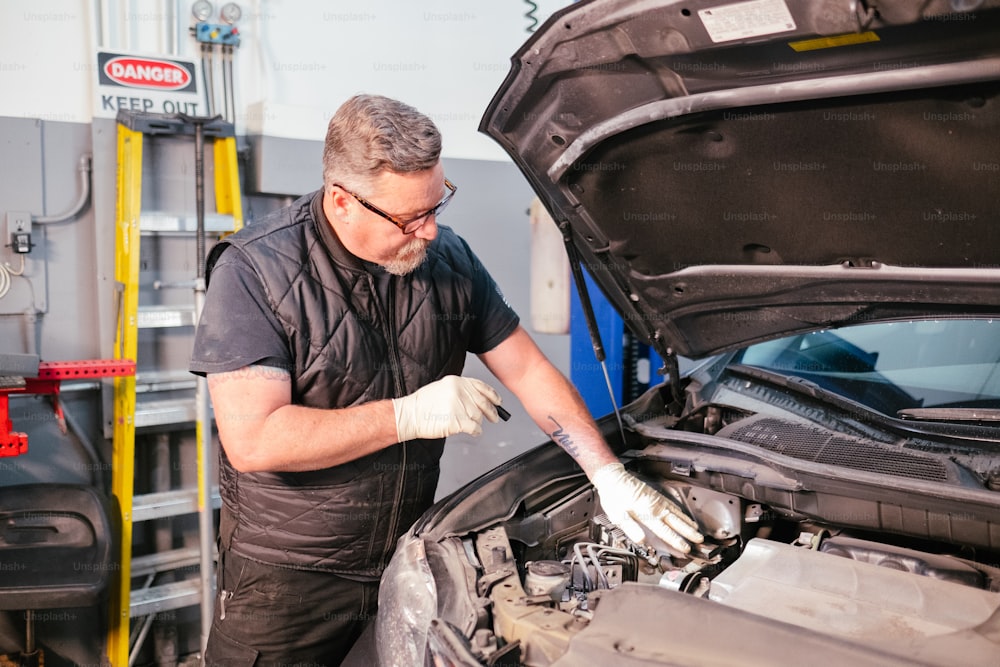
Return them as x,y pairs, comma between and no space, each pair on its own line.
18,221
19,231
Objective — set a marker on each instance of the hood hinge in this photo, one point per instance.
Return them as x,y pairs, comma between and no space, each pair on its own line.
672,370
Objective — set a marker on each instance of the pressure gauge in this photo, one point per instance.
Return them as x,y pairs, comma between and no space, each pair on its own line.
230,13
201,9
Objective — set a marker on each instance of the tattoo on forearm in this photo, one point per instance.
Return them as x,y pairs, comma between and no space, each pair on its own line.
563,439
256,372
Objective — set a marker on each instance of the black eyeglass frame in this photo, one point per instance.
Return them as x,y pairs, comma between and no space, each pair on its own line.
413,224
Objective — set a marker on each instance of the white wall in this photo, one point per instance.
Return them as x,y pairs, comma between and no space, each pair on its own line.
298,60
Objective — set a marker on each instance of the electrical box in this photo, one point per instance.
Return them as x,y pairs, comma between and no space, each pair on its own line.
18,234
23,286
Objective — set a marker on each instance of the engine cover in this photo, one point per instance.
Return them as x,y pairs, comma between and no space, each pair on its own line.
860,601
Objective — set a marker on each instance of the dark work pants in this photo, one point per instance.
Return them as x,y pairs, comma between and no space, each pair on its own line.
277,616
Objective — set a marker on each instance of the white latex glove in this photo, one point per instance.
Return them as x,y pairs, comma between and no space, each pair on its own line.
451,405
631,504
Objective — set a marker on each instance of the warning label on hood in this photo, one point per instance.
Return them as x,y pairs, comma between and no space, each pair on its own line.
746,19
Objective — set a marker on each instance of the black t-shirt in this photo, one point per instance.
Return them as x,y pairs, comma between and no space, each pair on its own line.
238,328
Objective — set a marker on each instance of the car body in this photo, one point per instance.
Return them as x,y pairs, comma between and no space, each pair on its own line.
801,197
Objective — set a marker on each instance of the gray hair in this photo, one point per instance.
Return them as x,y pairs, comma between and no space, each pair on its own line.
370,134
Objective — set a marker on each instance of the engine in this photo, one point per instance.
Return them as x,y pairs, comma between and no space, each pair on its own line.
551,575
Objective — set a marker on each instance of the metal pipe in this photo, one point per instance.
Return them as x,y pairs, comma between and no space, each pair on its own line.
173,11
147,623
126,25
84,168
225,82
97,478
167,29
232,86
29,632
208,76
31,335
104,24
175,37
203,433
99,25
164,630
199,194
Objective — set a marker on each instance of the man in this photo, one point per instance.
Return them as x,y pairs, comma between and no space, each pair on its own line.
334,336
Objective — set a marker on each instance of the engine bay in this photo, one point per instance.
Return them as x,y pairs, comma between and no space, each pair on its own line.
549,575
829,529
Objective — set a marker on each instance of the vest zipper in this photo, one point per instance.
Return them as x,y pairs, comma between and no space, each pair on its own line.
389,328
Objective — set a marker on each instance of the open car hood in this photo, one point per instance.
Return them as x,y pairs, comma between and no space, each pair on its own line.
731,172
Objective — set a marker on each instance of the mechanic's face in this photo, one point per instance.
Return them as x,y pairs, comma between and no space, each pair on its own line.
402,196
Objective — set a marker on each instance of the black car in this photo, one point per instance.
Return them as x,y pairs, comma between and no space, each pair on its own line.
802,197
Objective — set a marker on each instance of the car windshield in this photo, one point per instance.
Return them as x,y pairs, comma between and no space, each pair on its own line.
898,366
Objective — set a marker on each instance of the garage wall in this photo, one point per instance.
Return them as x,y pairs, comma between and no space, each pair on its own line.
297,60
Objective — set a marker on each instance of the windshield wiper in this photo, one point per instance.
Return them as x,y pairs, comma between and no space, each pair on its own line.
950,414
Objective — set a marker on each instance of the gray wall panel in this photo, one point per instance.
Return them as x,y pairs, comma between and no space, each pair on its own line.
490,211
21,189
39,161
281,166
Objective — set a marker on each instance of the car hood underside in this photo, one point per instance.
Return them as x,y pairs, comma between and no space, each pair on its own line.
724,191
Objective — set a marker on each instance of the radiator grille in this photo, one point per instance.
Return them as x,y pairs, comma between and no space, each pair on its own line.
819,445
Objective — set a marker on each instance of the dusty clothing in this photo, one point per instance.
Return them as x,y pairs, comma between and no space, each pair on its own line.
285,293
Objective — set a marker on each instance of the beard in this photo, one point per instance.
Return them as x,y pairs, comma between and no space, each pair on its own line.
409,257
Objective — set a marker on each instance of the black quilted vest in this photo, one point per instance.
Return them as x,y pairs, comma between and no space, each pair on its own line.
350,345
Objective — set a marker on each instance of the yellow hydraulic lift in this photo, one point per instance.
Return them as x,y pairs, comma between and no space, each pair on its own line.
133,127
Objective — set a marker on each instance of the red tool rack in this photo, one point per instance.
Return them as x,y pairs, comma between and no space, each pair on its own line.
50,375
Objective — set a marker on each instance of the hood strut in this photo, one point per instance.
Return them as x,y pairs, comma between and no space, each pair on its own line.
588,313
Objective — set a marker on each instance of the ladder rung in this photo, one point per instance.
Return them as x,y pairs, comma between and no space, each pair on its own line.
151,381
164,597
165,560
161,221
164,412
169,503
164,317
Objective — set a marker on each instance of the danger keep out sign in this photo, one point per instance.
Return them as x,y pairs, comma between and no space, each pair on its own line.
146,83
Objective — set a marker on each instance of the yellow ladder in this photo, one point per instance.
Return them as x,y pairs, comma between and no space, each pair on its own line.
133,127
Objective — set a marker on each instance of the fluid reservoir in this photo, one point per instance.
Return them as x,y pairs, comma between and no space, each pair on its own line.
547,577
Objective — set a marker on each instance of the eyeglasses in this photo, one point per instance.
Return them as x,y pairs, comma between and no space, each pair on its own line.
412,224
